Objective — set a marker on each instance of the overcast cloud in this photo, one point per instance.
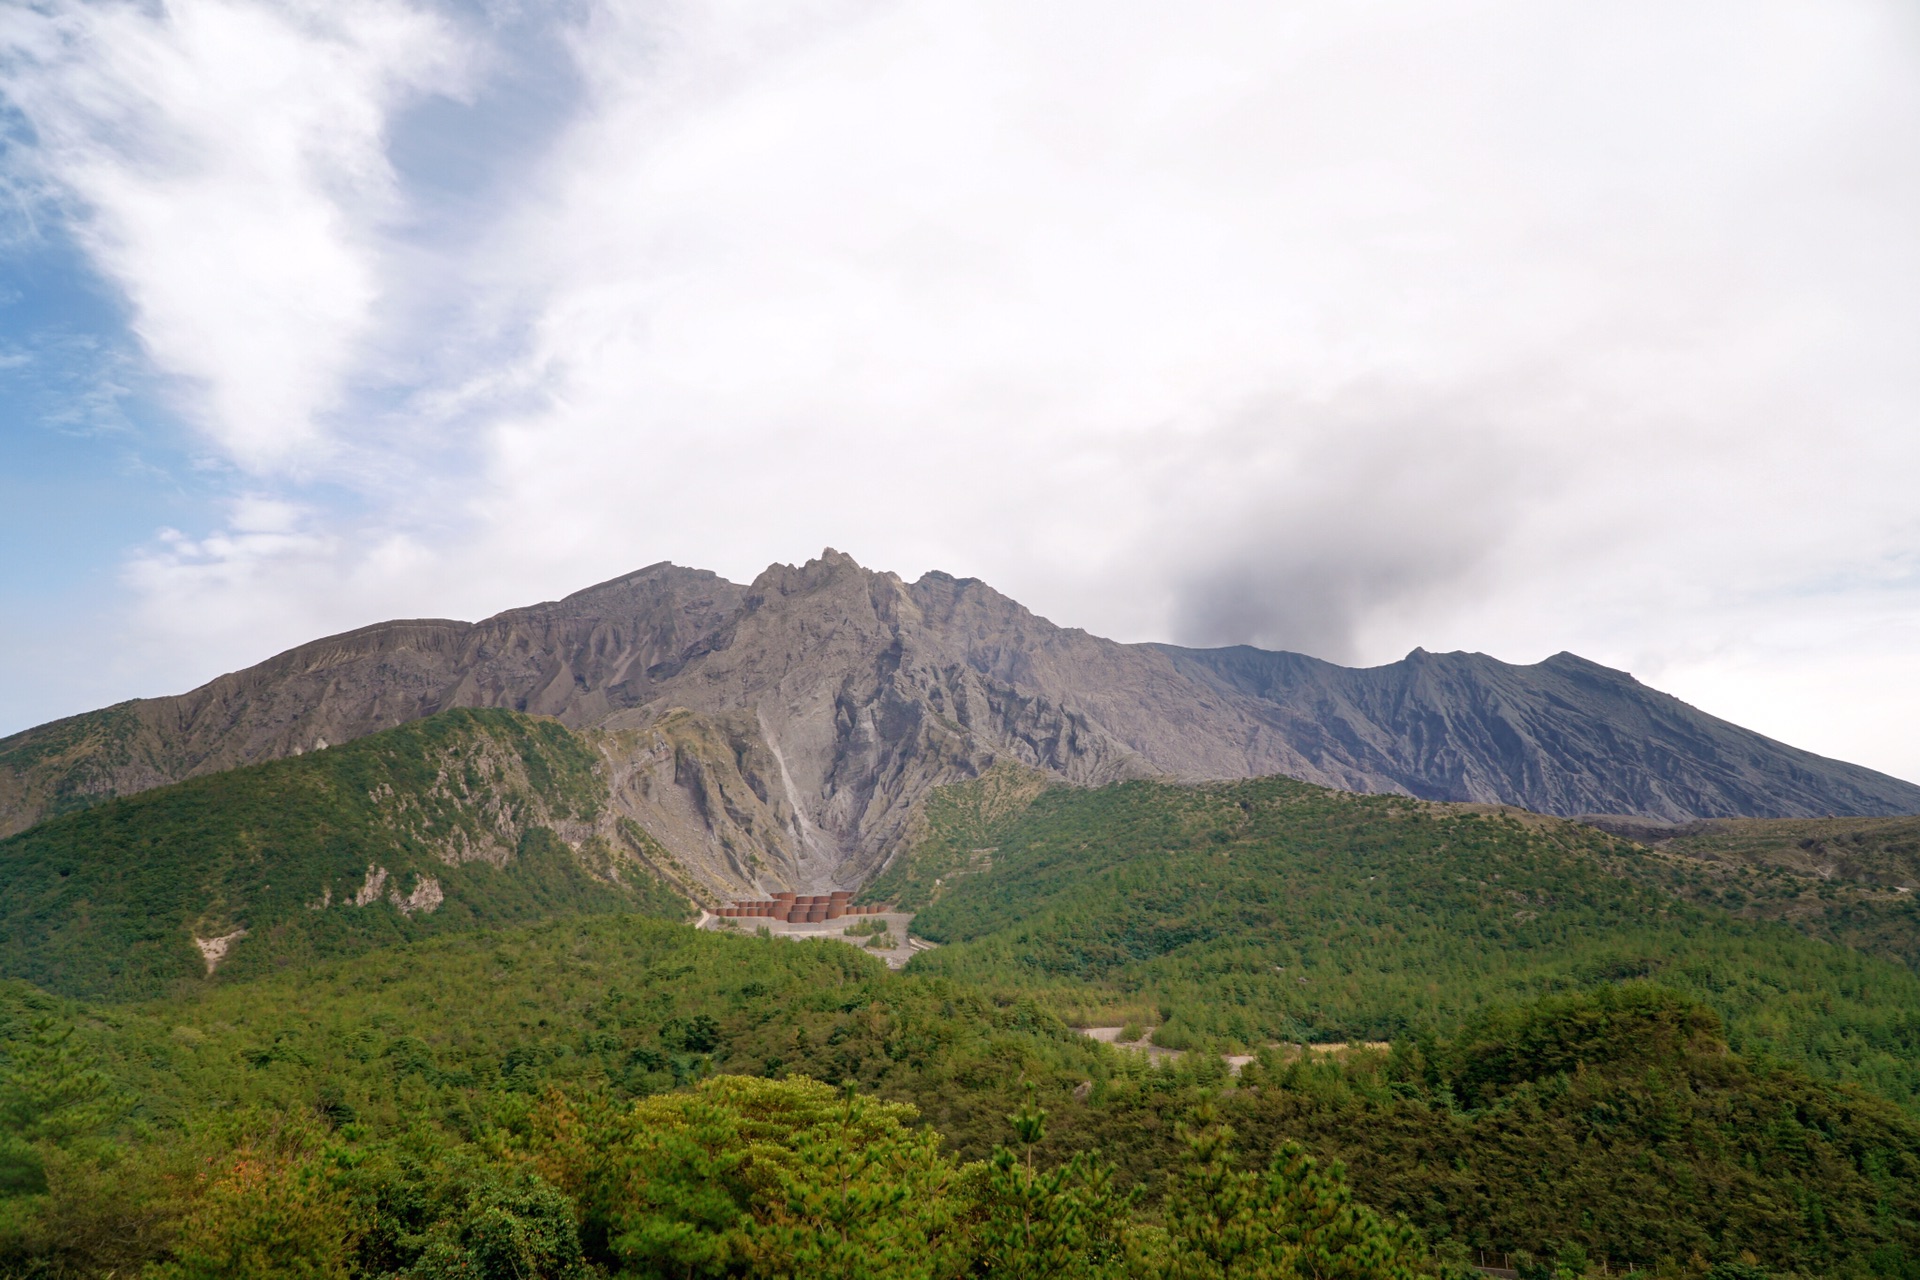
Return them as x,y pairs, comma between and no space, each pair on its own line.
1344,327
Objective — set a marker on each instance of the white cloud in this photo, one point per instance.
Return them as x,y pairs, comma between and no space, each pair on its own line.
225,164
276,575
1002,261
1345,326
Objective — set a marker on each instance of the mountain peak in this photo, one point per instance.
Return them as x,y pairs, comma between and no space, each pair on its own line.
787,730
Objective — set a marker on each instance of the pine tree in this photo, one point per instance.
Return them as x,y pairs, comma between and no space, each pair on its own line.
51,1093
1297,1221
1067,1223
860,1205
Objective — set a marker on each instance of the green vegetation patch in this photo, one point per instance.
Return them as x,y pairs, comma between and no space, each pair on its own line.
1582,1075
467,1029
599,1081
956,835
443,824
1249,913
1852,881
75,756
1612,1126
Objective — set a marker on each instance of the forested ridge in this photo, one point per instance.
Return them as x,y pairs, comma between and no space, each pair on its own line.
1854,881
309,855
1237,914
1578,1072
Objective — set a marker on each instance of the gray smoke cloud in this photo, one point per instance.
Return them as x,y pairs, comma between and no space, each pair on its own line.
1312,522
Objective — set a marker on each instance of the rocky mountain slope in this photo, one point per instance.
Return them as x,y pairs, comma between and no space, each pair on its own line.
1565,736
786,733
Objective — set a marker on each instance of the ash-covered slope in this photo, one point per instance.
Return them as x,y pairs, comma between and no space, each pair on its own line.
1565,736
784,734
575,658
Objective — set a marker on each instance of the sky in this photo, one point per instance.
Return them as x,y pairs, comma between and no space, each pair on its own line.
1345,327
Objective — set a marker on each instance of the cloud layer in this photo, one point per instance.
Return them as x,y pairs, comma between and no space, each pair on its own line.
1336,327
224,164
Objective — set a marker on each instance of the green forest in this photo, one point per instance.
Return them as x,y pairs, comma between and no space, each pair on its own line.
1361,1037
1238,914
106,901
1852,881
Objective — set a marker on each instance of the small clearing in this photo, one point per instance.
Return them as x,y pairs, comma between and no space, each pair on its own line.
214,950
1157,1054
898,925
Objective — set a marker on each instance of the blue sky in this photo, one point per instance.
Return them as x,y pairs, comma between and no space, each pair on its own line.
74,484
91,463
1345,328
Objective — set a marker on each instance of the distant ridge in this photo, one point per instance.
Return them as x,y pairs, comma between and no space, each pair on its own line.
785,733
1564,736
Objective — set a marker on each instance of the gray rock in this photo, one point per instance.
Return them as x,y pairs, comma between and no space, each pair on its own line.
784,734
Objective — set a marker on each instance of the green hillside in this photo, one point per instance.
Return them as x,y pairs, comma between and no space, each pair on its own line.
437,1058
1247,913
468,1029
466,819
417,1092
1854,881
1612,1126
542,1076
1883,852
956,835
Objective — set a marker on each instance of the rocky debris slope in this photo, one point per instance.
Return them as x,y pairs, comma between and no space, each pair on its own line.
576,659
785,734
1565,736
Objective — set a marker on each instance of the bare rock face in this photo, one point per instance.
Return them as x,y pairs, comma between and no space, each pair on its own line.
1565,736
784,734
835,704
576,659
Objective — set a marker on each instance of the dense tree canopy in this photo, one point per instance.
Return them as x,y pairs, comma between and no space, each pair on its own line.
1556,1065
